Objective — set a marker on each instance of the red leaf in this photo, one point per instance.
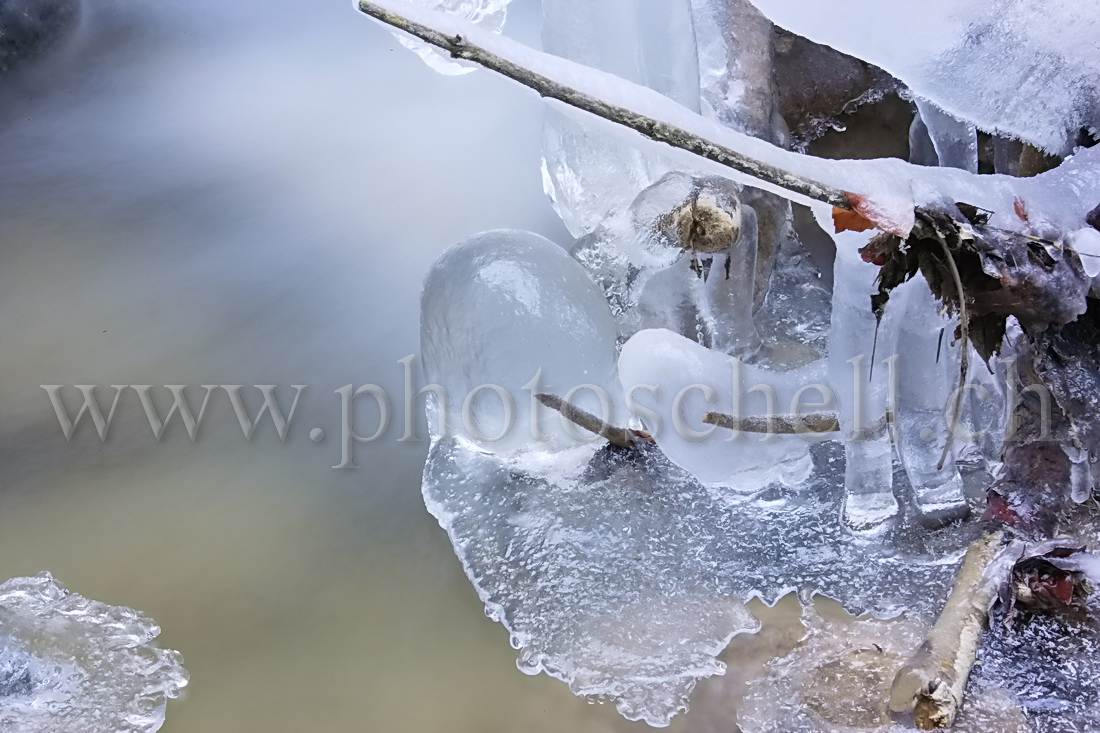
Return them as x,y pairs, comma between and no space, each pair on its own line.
850,221
1021,208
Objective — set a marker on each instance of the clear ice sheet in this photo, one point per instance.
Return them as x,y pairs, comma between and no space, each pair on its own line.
72,665
622,575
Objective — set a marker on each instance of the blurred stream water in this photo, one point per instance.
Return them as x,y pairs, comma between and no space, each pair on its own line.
250,193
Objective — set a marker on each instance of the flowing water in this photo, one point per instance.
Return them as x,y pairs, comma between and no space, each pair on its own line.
250,193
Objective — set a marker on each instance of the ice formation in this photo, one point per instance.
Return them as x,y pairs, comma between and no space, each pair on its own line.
588,173
1027,69
486,14
682,257
73,665
622,571
679,381
620,574
506,315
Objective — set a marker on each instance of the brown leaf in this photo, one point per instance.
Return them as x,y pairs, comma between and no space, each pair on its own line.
850,221
1021,208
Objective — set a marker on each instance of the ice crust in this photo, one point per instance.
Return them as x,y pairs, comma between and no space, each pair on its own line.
622,575
72,665
1023,68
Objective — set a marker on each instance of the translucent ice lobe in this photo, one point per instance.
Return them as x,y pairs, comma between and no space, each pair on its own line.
487,14
503,308
72,665
1029,69
588,173
680,381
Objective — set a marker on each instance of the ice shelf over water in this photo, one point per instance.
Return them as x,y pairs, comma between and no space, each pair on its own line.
72,665
619,573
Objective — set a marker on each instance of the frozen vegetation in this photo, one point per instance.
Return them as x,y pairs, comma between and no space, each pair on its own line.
782,436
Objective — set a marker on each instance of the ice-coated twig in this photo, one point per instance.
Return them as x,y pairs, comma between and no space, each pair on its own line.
815,422
932,683
622,437
460,48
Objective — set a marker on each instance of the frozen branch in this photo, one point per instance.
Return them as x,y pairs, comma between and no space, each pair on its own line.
460,48
817,422
933,682
622,437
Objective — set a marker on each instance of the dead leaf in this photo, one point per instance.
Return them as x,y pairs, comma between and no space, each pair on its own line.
850,221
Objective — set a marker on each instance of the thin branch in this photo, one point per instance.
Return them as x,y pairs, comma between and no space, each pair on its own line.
459,48
817,422
933,682
622,437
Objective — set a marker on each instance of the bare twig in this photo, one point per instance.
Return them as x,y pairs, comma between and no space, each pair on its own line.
622,437
932,683
817,422
459,48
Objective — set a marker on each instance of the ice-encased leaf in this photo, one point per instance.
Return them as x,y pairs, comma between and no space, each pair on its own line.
1024,68
619,573
501,308
838,681
72,665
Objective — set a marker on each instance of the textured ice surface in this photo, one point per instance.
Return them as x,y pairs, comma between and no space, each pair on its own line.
496,309
588,173
1026,68
619,573
72,665
838,681
690,381
486,14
